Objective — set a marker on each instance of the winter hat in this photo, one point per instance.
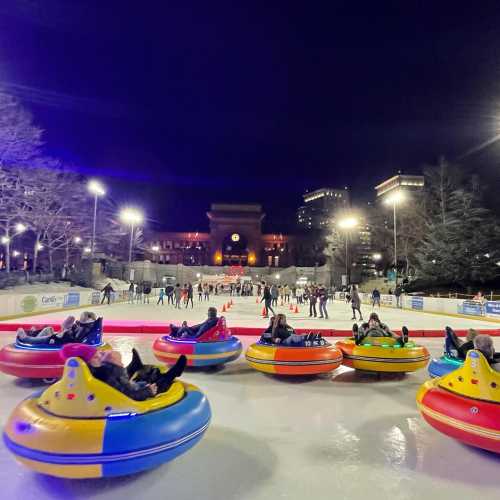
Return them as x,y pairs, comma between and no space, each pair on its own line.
484,343
67,323
83,351
87,317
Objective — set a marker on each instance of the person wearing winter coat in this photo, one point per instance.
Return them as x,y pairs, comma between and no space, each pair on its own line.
323,299
178,295
274,295
356,303
107,290
267,298
137,381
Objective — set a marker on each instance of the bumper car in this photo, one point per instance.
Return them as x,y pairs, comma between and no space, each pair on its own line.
293,360
214,347
465,404
42,361
82,428
383,354
447,363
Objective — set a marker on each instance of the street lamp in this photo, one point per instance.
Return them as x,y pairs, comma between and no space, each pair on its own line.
39,246
20,228
394,199
77,239
347,224
87,250
132,217
97,189
376,256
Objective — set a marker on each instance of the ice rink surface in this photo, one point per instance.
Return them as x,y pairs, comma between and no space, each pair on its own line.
345,435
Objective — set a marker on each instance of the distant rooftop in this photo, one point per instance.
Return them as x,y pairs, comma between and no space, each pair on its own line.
400,181
322,192
236,207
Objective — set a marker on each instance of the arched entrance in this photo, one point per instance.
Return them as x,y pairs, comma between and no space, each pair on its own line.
234,250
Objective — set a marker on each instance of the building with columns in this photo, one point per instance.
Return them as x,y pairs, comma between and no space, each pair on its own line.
235,238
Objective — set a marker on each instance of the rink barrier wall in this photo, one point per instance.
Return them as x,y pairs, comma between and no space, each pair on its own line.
489,310
160,328
31,304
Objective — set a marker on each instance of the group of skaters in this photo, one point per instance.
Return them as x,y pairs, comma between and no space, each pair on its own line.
315,295
139,293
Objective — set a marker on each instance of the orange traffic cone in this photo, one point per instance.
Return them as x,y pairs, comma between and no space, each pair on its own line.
296,309
224,308
228,305
264,312
291,307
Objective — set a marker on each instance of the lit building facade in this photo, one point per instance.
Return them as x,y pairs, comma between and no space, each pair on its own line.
410,183
320,206
235,238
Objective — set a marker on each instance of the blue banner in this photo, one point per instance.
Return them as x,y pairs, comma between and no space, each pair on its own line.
492,307
72,299
470,308
417,303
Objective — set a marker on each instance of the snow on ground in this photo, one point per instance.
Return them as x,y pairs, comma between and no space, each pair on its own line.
344,435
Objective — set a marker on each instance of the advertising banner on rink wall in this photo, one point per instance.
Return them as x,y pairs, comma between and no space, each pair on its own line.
492,308
443,305
26,304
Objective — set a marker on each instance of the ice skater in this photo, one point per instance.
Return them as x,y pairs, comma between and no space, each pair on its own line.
356,303
267,298
375,298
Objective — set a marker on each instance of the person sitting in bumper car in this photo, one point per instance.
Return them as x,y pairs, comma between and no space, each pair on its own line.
71,331
137,380
457,347
195,331
280,332
375,328
484,344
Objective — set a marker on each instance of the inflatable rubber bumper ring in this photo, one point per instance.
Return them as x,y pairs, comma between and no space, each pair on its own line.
90,430
34,362
382,354
290,360
465,404
199,354
443,365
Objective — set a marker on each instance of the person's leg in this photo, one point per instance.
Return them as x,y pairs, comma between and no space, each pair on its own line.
165,381
103,299
353,313
272,310
360,315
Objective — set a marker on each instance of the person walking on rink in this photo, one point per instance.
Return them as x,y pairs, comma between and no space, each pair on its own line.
356,303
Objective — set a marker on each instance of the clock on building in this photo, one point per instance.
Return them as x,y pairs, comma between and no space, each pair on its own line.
235,237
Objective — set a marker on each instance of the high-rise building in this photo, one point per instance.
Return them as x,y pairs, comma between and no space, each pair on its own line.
400,182
320,206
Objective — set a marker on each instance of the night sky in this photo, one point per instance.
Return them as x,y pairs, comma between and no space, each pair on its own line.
180,104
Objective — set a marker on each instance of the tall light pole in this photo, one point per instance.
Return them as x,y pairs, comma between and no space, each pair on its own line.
347,224
6,239
97,189
393,200
132,217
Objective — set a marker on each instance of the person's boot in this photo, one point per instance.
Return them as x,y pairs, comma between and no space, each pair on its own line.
136,364
355,333
165,380
404,334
